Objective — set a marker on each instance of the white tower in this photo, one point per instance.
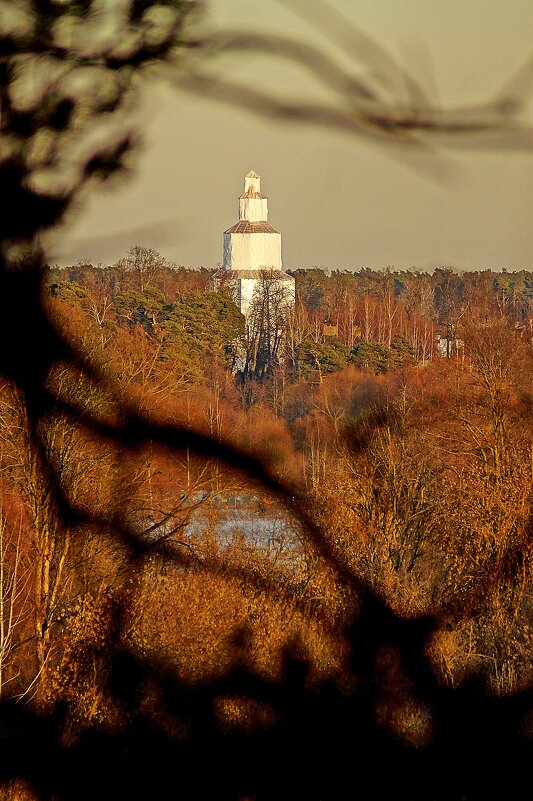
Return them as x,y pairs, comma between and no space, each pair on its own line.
252,249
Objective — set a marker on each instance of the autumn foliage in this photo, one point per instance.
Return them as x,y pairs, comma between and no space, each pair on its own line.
393,429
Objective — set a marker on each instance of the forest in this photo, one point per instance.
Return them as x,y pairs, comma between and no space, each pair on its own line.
412,460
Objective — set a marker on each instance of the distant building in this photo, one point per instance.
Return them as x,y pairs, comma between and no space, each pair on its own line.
448,347
252,253
525,329
330,329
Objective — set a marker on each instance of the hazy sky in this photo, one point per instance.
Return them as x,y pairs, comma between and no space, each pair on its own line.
340,200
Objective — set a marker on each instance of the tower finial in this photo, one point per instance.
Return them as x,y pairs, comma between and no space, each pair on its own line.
252,182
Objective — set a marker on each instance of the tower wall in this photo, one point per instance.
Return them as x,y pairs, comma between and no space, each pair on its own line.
252,251
253,209
249,287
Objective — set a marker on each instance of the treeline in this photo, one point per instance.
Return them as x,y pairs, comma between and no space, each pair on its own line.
412,462
373,319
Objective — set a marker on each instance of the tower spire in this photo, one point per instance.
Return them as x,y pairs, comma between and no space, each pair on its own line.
253,206
252,182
